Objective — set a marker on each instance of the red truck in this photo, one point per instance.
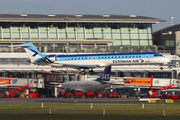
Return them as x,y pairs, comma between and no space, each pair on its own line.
100,94
65,94
78,94
113,95
89,94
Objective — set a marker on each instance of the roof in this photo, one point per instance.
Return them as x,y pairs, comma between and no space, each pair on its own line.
172,28
76,18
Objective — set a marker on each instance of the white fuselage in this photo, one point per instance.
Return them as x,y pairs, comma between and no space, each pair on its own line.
114,62
85,86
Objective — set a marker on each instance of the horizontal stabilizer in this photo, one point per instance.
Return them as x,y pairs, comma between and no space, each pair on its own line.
19,45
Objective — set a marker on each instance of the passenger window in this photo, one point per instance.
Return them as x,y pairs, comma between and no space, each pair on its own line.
78,58
112,56
71,58
119,57
108,57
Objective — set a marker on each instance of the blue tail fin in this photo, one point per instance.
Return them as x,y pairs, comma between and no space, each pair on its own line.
32,52
105,75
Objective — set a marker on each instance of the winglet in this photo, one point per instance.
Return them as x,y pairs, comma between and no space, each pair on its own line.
105,75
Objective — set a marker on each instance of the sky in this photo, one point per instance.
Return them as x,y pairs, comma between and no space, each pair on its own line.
162,9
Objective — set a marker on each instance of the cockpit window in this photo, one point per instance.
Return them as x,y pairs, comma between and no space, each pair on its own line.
157,55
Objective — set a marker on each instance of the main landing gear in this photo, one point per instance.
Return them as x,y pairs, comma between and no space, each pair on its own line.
161,67
91,72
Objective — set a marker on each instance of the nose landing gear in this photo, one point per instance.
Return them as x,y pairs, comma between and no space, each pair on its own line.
161,67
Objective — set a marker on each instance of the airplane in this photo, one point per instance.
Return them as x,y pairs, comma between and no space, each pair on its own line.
5,83
90,61
96,85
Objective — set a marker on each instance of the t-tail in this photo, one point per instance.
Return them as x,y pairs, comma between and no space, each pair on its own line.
105,75
34,55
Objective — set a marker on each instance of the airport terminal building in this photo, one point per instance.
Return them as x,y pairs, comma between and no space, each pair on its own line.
73,34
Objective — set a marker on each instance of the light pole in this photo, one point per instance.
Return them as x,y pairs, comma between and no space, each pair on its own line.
171,20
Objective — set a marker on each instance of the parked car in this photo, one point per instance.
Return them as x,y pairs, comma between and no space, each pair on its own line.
141,94
113,95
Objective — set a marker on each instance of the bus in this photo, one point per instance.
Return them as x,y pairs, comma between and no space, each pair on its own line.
169,94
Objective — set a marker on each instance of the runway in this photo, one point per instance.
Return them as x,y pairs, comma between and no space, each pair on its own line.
59,100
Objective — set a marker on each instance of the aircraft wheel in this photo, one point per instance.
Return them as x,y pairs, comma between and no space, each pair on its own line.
83,72
161,68
91,72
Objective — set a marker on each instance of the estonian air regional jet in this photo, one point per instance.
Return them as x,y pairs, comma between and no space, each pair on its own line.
94,86
90,61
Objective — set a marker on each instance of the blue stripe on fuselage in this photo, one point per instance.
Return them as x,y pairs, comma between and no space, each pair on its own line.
105,56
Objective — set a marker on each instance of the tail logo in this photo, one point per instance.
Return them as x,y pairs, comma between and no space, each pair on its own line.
14,81
105,76
35,53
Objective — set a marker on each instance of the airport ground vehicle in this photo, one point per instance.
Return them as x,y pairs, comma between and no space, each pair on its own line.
113,95
169,94
156,94
78,94
89,94
100,94
141,94
67,95
63,93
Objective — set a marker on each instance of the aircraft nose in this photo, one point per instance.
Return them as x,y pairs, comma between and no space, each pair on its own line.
168,60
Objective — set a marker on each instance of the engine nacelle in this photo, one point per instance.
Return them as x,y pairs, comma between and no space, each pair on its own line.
53,59
29,60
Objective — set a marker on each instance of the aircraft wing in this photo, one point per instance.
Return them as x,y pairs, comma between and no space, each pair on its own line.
76,66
